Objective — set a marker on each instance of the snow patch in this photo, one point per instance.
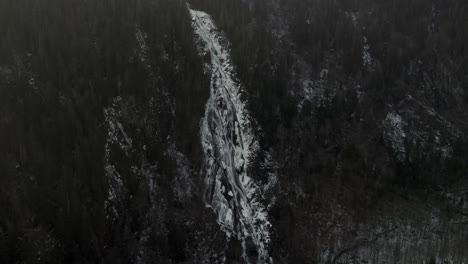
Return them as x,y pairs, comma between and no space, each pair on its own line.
367,60
317,92
395,134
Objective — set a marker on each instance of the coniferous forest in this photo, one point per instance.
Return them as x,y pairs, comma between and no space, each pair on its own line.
234,131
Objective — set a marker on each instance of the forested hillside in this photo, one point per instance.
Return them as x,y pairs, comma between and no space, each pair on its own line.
233,131
62,63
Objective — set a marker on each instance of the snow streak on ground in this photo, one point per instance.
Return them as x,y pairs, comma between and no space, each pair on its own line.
117,136
229,144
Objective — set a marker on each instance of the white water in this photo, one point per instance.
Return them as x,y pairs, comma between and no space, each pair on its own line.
229,144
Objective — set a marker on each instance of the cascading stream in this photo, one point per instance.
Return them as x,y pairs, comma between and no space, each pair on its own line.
229,144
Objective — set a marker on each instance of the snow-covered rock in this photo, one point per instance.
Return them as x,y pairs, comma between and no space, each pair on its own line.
229,144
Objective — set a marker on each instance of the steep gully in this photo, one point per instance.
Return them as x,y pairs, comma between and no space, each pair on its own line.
229,145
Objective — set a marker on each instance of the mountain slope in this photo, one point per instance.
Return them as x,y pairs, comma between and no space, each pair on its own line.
289,131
